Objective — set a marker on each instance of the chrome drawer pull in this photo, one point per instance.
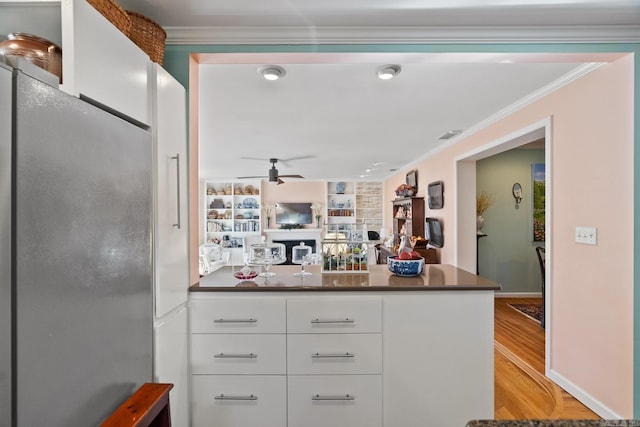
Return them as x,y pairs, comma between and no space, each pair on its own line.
250,320
345,397
224,397
319,321
320,355
236,356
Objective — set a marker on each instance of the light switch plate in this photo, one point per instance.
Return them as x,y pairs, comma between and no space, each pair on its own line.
587,235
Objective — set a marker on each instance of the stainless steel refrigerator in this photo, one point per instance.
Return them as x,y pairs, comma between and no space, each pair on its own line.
76,312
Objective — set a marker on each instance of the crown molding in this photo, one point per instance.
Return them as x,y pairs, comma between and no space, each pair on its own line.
403,35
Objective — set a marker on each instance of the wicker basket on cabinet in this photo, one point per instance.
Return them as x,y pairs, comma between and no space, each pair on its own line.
114,13
148,35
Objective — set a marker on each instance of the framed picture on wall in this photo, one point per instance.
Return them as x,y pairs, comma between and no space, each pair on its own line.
538,177
412,179
435,193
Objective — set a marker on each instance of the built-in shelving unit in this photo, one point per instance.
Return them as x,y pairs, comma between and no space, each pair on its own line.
341,202
231,211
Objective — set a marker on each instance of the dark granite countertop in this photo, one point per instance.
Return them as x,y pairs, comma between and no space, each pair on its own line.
554,423
435,277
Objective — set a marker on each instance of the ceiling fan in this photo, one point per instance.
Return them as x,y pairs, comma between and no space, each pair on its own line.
273,172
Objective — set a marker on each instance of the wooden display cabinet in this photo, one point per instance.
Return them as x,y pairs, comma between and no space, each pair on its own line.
408,217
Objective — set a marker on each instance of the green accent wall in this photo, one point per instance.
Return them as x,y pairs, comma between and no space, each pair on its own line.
176,62
507,253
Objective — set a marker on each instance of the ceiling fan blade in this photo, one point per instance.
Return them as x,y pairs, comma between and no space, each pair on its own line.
290,176
248,177
280,181
290,159
253,158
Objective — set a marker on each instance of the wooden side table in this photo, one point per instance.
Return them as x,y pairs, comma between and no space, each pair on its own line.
479,235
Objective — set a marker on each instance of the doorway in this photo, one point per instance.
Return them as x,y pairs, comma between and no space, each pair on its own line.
465,217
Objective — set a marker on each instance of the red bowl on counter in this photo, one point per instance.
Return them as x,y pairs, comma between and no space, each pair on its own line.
245,275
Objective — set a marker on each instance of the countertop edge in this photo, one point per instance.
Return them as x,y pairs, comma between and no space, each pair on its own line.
198,288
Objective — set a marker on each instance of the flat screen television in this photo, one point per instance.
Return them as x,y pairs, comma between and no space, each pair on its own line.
433,232
294,213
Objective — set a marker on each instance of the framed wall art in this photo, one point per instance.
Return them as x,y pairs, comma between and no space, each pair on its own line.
412,180
538,176
435,193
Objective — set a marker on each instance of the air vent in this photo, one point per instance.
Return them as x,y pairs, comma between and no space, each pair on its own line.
450,134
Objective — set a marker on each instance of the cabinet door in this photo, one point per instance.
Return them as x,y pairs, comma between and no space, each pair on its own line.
101,63
171,362
239,400
342,354
238,316
334,315
336,401
171,218
238,353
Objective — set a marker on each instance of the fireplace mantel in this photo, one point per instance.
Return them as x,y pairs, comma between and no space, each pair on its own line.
294,234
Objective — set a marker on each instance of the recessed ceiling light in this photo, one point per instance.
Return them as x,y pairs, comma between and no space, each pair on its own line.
271,72
387,72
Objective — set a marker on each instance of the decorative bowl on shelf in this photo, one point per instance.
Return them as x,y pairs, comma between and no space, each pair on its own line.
405,267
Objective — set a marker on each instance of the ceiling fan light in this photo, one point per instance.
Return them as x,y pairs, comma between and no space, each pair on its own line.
271,72
387,72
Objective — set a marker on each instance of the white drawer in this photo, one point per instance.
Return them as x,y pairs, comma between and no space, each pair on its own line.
238,353
336,401
242,400
238,315
342,315
334,354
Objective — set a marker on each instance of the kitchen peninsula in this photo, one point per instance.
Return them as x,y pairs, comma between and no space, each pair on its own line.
343,349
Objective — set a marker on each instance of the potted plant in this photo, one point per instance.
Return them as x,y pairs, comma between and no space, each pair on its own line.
484,201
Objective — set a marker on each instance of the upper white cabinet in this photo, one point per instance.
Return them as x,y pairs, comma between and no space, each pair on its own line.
98,61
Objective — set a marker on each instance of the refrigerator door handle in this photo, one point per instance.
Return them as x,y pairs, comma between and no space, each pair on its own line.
177,158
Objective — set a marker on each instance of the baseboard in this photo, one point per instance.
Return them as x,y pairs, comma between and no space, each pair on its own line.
584,397
518,294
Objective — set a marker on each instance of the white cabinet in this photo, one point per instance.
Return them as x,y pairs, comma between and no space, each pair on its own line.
334,315
390,359
167,111
334,361
238,362
327,350
227,315
171,362
239,400
329,354
171,260
336,401
242,354
98,61
101,63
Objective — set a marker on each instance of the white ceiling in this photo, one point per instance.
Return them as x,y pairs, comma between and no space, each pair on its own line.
310,13
332,107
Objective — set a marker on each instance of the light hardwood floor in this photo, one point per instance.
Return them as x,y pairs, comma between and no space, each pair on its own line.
521,389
